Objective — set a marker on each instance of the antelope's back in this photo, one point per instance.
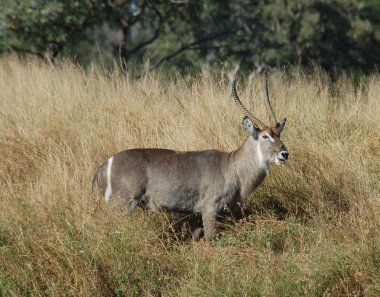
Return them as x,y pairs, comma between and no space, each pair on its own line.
128,173
179,181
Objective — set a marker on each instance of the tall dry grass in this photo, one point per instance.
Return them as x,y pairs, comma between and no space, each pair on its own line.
314,230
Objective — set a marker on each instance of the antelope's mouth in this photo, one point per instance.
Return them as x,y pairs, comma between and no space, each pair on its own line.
280,161
282,157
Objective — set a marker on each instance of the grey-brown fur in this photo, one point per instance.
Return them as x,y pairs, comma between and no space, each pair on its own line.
201,182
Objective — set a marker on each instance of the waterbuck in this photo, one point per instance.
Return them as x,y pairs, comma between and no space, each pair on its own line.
201,182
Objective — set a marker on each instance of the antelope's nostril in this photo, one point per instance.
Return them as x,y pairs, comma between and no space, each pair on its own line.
284,155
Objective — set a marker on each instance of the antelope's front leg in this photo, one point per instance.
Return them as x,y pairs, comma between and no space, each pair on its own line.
209,220
197,233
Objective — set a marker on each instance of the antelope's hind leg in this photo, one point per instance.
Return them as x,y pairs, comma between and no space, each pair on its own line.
134,201
132,205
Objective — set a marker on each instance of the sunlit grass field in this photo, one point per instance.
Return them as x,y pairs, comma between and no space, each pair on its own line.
314,224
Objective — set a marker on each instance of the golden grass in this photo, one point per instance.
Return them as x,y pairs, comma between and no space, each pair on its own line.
315,226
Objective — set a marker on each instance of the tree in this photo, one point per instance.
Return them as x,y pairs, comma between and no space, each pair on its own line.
45,27
336,34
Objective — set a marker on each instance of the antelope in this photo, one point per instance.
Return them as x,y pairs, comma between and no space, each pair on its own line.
201,182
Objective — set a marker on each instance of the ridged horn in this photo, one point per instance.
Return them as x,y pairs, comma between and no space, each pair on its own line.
244,110
272,116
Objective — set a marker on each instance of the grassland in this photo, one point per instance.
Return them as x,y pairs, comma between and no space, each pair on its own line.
314,228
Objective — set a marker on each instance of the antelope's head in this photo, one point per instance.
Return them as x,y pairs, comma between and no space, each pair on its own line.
270,148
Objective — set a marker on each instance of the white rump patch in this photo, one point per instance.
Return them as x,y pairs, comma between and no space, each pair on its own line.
109,186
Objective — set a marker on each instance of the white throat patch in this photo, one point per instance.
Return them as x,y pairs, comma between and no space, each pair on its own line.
261,160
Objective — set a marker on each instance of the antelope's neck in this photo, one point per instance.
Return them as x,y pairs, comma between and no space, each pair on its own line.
248,166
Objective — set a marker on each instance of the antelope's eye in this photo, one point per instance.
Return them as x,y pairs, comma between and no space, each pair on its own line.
265,136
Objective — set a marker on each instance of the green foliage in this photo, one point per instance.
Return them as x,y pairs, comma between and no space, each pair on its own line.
40,26
335,34
6,283
5,238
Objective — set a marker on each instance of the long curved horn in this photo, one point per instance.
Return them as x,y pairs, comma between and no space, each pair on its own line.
271,114
244,110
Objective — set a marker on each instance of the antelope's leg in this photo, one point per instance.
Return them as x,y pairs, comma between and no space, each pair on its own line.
209,220
196,227
197,233
132,205
134,201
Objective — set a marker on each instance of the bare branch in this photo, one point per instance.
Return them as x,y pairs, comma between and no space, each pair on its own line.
179,1
145,42
190,46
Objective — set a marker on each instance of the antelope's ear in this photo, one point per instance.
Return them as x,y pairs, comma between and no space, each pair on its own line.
251,128
281,125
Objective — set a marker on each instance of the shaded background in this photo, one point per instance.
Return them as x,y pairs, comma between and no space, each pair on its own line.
338,35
